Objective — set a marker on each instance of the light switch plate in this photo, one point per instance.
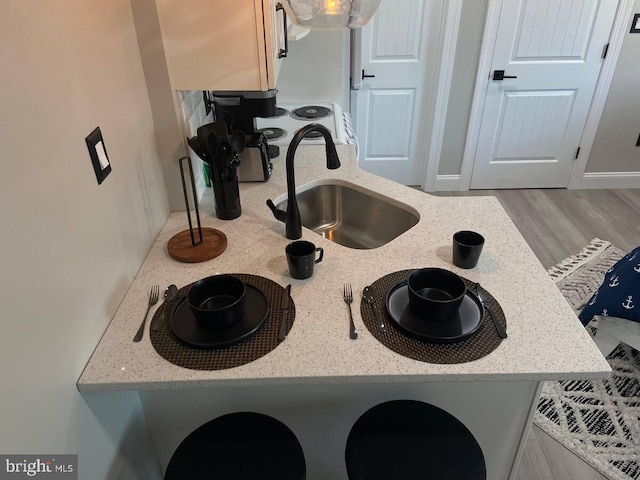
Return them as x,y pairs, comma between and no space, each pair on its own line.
98,153
635,25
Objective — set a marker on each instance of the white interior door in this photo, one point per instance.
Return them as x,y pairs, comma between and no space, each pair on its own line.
396,53
532,123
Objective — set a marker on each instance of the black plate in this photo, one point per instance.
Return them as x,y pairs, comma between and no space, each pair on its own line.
184,325
466,323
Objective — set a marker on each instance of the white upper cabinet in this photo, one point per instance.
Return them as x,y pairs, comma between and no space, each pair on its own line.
222,45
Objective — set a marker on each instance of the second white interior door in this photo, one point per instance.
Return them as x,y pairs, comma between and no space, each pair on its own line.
532,124
397,50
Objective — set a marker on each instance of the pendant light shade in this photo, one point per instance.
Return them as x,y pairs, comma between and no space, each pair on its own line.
330,14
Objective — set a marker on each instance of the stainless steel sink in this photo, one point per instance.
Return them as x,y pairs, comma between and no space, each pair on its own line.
351,215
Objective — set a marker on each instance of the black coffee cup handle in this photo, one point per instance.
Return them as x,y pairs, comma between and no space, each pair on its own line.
321,250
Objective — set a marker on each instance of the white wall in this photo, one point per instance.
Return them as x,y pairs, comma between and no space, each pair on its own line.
314,70
165,102
614,148
465,67
70,248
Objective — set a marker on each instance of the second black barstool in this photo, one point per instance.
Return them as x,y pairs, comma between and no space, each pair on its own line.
412,440
239,446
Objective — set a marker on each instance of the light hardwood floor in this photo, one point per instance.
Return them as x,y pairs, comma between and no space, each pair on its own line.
556,224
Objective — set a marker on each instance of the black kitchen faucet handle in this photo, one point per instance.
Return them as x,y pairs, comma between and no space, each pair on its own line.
280,215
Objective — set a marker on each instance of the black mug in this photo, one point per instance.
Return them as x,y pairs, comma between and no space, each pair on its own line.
467,246
301,257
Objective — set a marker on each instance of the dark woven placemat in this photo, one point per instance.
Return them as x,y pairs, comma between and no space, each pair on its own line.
171,348
481,343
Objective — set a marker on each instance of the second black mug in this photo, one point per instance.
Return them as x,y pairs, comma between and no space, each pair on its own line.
467,246
301,257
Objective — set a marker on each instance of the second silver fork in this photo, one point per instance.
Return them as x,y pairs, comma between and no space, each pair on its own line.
348,299
154,295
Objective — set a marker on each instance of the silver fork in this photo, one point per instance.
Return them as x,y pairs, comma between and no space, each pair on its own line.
154,295
348,299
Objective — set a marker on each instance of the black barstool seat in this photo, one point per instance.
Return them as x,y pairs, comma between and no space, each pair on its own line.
412,440
239,446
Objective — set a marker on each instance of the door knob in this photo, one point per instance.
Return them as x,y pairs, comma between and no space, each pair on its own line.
499,75
367,76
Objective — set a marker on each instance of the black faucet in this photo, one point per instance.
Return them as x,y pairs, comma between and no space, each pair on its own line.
291,218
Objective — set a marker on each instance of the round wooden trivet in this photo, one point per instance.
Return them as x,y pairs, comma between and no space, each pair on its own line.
481,343
214,242
262,342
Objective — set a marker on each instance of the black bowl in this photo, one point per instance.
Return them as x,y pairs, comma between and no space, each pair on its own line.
217,301
435,293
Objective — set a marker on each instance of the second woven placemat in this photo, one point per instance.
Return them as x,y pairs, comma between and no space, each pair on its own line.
481,343
262,342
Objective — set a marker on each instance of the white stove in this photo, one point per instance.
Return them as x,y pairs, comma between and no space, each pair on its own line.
291,117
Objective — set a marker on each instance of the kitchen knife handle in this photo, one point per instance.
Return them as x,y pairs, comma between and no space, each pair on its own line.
380,321
282,332
496,324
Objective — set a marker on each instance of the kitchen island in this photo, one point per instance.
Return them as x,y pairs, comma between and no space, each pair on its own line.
319,381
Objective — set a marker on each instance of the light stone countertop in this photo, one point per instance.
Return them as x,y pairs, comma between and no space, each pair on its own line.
546,341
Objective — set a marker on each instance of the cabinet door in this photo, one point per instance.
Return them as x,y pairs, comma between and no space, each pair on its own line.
218,45
275,41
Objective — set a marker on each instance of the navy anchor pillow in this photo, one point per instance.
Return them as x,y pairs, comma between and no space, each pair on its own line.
619,294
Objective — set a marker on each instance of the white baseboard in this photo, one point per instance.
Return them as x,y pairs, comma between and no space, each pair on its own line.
598,180
594,180
447,183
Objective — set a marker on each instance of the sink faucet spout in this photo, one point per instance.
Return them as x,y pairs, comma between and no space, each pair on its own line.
293,224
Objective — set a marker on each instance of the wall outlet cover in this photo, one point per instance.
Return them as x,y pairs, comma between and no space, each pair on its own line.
98,154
